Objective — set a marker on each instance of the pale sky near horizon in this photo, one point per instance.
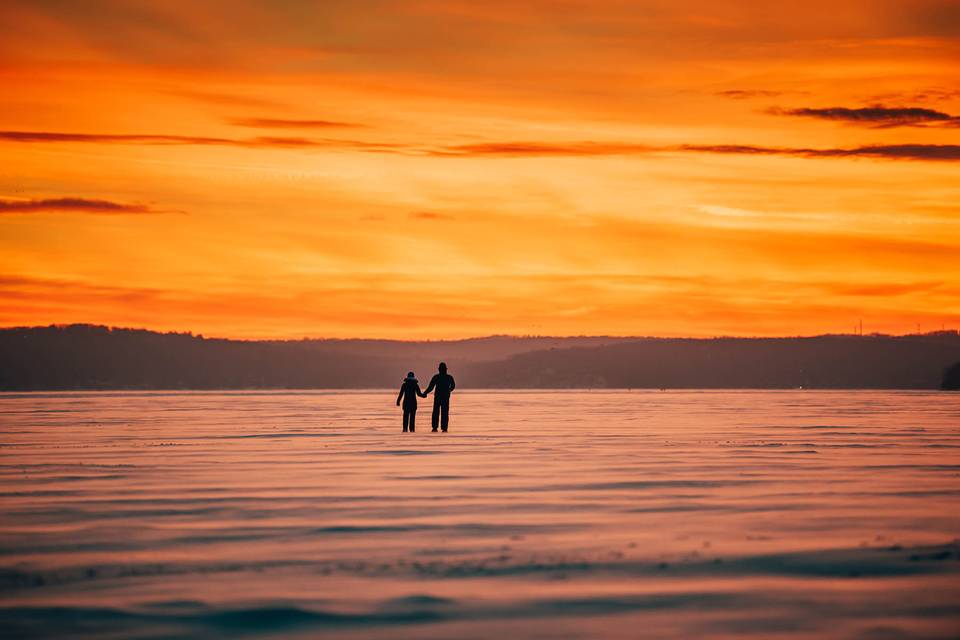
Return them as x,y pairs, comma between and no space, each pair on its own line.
445,169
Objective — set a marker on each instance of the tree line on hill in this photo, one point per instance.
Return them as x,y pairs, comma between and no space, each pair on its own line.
97,357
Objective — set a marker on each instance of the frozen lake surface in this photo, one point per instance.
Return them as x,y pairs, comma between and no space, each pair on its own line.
676,514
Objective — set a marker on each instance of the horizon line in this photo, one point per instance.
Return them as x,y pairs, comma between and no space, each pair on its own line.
942,331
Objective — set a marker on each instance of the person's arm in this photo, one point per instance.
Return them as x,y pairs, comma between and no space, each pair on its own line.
453,384
402,387
420,393
433,383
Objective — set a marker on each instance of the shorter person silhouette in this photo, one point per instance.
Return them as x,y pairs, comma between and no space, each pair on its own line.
444,384
409,391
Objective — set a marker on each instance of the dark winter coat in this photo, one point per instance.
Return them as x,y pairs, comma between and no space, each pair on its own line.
409,392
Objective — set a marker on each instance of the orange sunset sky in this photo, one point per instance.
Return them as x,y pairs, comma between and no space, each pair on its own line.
444,169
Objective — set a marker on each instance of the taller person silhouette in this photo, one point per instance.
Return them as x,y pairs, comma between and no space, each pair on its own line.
444,384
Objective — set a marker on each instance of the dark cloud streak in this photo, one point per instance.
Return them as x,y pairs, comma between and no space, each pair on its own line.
174,140
280,123
877,117
517,149
746,94
940,152
78,205
108,138
943,152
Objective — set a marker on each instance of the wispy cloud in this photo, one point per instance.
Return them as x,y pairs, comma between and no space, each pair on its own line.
281,123
886,289
747,94
168,139
107,138
227,99
747,214
589,148
430,215
932,152
77,205
521,148
877,117
930,94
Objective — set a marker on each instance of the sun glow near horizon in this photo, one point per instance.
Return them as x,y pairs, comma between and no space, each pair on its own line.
428,169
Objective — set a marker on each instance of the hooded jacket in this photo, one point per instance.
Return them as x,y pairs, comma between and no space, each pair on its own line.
409,391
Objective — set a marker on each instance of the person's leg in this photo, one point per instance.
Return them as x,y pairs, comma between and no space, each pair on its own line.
413,421
406,419
445,415
435,418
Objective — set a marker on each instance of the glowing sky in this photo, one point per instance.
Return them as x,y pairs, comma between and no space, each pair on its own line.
444,168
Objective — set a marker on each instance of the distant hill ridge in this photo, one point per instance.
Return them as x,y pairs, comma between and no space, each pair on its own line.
98,357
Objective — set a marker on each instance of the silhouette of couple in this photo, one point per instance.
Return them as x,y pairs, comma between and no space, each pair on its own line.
444,385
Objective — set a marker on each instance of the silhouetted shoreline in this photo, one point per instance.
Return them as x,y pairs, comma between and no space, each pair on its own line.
78,357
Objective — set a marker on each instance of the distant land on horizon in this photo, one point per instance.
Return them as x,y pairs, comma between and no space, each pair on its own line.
77,357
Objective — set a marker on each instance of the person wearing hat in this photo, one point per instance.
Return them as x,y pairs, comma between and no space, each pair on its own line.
409,391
